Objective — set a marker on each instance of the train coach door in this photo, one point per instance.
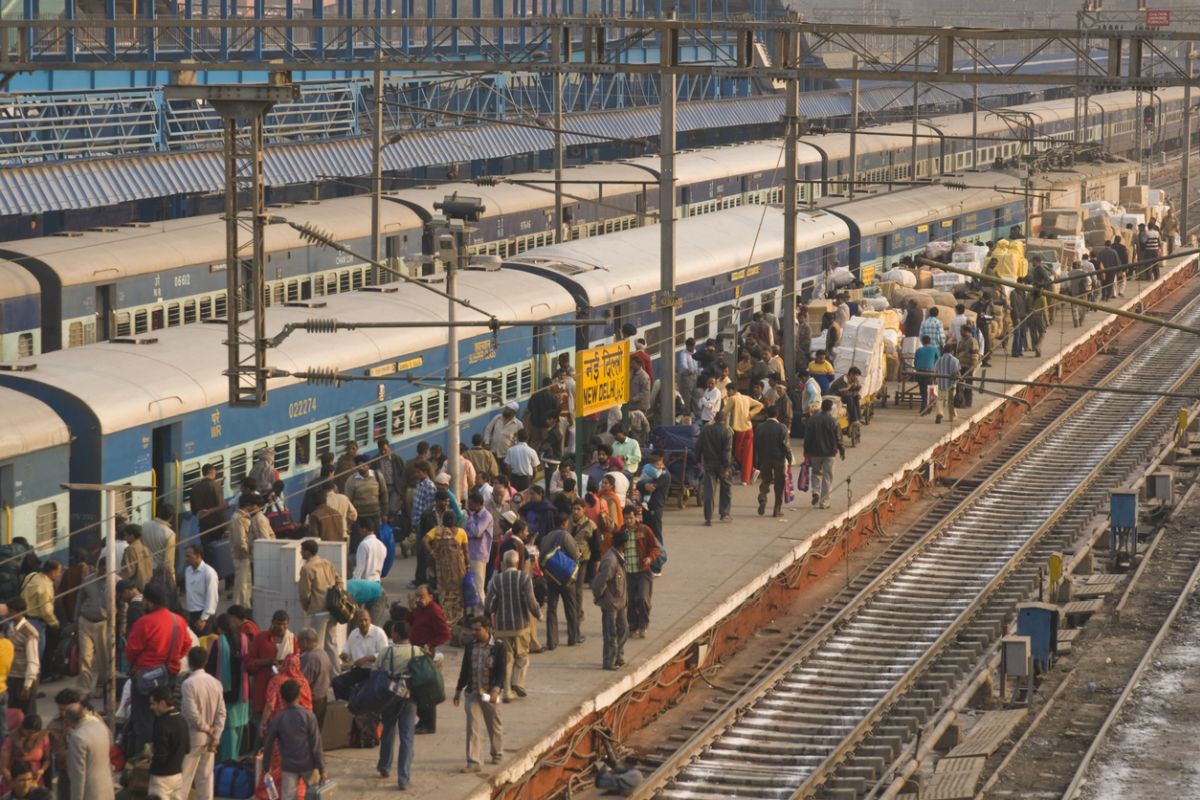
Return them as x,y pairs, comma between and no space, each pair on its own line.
165,458
7,503
104,310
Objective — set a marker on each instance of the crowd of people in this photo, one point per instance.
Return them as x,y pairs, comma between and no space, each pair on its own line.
510,542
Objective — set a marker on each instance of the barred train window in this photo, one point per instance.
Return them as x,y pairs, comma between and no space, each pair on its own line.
47,525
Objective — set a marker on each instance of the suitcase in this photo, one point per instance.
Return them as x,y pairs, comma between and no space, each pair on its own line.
219,556
335,733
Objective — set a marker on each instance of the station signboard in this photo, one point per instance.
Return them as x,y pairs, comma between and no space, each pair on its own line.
602,375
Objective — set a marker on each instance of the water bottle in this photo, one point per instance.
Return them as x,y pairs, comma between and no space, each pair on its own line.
269,785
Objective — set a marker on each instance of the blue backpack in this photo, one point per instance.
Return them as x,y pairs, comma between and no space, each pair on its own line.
233,779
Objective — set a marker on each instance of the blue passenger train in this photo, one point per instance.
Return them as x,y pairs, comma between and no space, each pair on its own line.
151,409
127,281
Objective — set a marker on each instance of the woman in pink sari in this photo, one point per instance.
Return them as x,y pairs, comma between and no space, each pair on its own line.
289,670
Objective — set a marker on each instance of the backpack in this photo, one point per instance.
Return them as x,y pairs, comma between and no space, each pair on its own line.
559,567
233,779
338,603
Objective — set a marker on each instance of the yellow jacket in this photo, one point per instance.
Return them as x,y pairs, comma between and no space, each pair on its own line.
741,407
38,594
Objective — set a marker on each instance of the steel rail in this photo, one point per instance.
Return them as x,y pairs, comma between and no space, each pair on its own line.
736,710
1135,679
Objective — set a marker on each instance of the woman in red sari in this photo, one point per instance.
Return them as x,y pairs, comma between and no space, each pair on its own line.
289,670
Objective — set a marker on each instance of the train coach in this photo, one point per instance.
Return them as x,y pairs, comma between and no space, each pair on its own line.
34,458
151,410
127,281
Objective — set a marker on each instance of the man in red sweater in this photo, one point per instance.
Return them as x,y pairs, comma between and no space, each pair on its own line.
267,650
428,629
158,638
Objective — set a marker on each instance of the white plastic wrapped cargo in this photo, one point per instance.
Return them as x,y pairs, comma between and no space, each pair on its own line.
1100,208
842,276
861,346
901,277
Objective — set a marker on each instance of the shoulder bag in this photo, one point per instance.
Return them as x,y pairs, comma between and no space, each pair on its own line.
147,680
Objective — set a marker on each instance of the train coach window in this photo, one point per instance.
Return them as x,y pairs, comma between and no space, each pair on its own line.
173,315
416,414
526,379
483,394
510,385
124,324
75,335
219,305
359,277
303,448
398,418
341,434
318,285
433,409
47,525
700,326
362,428
344,282
237,468
379,423
191,474
293,290
283,454
206,307
464,401
141,321
724,318
189,312
322,441
680,332
653,339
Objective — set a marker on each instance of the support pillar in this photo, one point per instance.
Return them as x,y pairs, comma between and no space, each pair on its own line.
243,109
668,87
787,304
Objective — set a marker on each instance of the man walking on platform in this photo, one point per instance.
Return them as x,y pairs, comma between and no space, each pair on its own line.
481,678
641,548
715,447
512,604
948,369
559,539
822,441
774,457
609,591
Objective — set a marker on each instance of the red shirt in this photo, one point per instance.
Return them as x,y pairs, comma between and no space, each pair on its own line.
259,661
427,626
149,640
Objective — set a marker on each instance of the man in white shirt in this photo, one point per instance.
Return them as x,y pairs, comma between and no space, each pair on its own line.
203,708
956,325
358,654
201,589
369,558
501,432
711,401
522,462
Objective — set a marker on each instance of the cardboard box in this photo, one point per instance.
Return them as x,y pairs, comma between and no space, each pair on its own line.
1138,194
1061,222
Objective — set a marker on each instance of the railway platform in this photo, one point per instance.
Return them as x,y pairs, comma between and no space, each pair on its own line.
719,583
712,573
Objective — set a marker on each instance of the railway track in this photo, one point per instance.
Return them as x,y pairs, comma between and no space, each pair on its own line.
829,718
1110,665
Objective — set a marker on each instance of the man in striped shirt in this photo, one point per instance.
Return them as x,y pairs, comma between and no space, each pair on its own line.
932,327
947,368
511,603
